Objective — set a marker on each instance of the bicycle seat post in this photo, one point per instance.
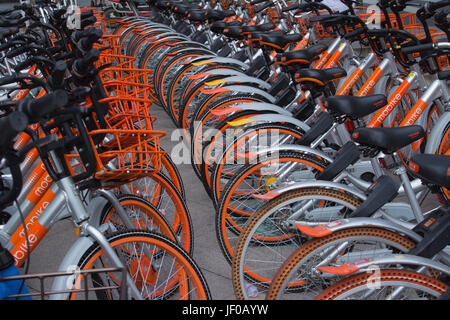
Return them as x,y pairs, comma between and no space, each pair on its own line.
401,172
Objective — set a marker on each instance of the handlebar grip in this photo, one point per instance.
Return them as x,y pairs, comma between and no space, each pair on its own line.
257,2
433,6
86,14
354,33
441,17
418,48
58,14
264,7
85,44
87,22
10,126
58,73
290,8
81,66
77,35
38,109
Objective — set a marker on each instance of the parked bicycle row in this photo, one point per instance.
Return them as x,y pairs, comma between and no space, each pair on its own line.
78,142
316,134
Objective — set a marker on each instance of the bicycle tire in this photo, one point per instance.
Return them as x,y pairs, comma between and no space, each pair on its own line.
196,132
164,196
266,234
259,129
279,287
123,243
148,217
232,220
388,277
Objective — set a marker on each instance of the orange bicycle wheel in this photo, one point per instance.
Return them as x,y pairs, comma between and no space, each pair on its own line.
298,269
415,286
207,121
160,192
444,149
159,268
241,197
224,171
143,215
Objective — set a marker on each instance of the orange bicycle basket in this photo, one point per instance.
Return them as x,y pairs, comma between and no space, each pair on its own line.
123,155
126,82
116,60
128,98
129,113
109,44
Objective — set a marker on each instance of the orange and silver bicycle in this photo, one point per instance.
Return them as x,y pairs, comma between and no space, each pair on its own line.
90,137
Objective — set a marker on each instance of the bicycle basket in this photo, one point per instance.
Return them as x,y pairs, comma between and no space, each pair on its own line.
116,60
109,44
129,113
130,82
123,155
83,288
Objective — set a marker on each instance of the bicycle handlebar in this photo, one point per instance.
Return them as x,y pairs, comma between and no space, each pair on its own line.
418,48
354,33
81,66
58,74
264,6
433,6
426,47
85,44
39,109
257,2
79,34
10,126
87,22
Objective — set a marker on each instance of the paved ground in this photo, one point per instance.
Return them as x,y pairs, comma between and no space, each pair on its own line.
207,253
